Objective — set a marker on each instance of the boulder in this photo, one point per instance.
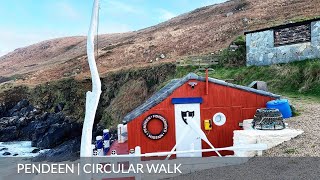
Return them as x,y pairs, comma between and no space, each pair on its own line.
33,127
8,121
9,133
38,131
23,121
3,149
42,117
6,154
53,118
67,151
56,134
24,111
21,104
35,150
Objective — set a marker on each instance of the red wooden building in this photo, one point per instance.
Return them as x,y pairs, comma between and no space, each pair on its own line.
214,105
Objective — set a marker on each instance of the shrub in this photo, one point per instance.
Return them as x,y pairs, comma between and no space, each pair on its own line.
234,58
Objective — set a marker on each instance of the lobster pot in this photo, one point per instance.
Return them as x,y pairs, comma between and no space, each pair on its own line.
268,119
99,145
106,141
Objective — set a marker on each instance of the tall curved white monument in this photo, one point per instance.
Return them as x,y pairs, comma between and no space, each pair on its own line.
92,97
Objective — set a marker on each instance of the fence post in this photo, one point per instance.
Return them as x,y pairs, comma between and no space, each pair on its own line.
99,145
106,141
119,133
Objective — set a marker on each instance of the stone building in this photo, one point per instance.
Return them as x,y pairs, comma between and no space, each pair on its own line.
284,43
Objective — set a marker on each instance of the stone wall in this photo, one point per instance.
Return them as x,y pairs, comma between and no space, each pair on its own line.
262,50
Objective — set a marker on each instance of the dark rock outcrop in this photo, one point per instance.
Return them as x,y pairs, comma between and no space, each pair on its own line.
67,151
46,130
10,133
57,134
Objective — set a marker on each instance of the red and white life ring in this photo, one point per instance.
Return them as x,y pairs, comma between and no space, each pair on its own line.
162,133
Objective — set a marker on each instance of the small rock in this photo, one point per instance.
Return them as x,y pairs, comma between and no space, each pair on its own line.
3,149
59,107
6,154
22,122
162,56
15,154
35,150
233,47
229,14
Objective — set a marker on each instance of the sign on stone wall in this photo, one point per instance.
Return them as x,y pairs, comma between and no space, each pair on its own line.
292,35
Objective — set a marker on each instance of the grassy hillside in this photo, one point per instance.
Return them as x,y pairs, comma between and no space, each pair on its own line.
200,32
293,79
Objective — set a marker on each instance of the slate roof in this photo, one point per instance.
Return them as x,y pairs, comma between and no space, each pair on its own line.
167,90
283,26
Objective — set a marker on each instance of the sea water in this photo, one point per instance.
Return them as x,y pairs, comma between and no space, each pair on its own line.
22,148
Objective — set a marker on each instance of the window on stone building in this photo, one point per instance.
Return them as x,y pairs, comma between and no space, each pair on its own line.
292,34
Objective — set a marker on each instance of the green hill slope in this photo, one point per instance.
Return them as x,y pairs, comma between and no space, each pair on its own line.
293,79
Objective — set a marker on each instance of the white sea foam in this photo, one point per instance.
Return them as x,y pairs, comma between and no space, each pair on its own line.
22,148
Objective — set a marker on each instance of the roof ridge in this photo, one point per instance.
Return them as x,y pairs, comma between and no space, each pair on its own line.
168,89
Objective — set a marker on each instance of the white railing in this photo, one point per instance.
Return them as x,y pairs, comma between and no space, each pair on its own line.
246,147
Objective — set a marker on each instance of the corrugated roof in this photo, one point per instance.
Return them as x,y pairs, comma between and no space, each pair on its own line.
167,90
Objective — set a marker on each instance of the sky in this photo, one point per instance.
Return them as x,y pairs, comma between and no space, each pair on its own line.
25,22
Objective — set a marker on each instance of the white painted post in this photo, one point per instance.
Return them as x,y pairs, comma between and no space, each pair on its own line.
119,133
99,145
92,97
124,130
106,141
137,151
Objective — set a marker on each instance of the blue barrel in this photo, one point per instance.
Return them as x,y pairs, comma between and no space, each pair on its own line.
282,105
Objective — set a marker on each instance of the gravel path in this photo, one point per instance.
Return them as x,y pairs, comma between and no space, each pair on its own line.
308,143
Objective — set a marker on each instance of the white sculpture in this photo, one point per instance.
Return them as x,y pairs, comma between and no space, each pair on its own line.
92,97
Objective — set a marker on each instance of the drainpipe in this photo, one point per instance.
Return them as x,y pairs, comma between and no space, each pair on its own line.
207,81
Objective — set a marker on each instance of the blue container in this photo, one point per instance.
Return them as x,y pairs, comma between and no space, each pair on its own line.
282,105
